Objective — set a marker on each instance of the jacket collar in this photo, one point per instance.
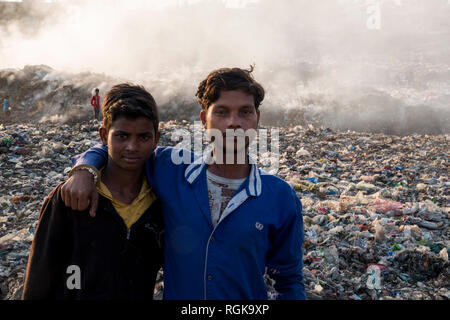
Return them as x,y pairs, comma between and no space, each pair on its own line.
253,183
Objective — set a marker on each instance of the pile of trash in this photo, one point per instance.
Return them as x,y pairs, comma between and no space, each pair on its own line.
39,93
412,97
34,158
375,207
376,212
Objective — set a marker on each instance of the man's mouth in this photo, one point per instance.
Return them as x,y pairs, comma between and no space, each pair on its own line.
235,135
129,159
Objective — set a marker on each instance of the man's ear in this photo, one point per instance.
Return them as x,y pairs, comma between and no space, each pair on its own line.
203,117
157,136
103,135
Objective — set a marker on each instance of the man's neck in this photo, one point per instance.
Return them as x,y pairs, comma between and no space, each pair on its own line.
124,185
231,171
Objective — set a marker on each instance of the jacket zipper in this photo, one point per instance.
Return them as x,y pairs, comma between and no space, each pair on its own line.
135,225
128,230
206,260
206,257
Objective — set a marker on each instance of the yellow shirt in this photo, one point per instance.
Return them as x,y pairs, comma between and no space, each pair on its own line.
130,213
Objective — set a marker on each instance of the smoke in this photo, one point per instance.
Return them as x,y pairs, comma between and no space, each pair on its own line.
347,64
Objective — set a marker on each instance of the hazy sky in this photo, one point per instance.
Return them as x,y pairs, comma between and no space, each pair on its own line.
119,37
163,3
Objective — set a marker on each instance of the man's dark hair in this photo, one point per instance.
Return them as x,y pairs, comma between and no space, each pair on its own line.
130,101
228,79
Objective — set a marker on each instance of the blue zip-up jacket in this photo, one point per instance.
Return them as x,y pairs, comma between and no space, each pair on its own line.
262,227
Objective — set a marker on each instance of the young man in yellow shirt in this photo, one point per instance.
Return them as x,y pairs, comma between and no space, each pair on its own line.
116,255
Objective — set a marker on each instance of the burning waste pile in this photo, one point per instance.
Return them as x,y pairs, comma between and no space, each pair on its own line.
39,93
403,104
375,206
397,97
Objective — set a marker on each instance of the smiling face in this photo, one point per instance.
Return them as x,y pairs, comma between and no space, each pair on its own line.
233,110
130,142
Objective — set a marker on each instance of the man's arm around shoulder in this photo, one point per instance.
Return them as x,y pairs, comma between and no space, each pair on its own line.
79,192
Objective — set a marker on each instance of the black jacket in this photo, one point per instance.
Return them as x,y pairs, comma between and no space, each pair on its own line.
114,263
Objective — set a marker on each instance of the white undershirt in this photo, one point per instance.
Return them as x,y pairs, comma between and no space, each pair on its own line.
220,192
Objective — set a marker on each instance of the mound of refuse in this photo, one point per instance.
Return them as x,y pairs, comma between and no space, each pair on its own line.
404,105
375,207
39,93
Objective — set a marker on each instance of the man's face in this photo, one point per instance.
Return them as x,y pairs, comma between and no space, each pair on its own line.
235,109
130,142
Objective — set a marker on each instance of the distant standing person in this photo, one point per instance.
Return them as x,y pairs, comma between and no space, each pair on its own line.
95,103
6,105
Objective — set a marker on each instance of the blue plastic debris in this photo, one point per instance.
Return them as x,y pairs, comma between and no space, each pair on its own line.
313,180
389,253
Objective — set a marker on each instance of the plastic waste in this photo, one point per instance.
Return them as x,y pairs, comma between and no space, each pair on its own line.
373,200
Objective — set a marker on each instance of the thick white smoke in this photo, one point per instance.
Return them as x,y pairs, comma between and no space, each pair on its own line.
332,60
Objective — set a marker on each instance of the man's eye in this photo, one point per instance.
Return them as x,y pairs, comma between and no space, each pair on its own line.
220,112
145,138
122,136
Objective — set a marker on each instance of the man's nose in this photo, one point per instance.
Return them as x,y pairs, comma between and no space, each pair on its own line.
132,145
234,121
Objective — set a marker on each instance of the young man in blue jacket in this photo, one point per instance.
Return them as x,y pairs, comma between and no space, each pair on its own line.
226,223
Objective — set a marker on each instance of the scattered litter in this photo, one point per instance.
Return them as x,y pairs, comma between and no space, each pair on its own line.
368,200
389,210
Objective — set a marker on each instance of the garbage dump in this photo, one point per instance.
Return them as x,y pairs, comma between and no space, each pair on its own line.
362,111
375,206
402,105
41,93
